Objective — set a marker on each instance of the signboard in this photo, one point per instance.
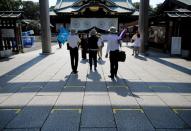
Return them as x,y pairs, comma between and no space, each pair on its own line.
87,23
176,46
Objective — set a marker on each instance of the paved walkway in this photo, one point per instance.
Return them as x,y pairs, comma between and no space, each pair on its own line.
38,93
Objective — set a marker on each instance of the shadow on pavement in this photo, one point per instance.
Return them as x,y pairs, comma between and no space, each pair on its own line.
172,65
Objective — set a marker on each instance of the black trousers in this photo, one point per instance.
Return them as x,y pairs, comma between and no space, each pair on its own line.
74,58
113,63
84,51
93,56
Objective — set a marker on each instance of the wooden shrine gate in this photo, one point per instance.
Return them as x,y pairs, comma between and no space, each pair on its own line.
10,33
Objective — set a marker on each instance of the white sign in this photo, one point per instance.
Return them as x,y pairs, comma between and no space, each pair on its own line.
176,46
87,23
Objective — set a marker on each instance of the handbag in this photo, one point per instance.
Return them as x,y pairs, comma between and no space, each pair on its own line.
121,56
68,46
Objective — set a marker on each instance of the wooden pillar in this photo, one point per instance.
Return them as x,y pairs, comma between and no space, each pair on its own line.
45,26
143,24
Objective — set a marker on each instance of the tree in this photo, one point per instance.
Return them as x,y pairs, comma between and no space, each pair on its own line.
52,7
158,10
137,5
31,10
152,11
10,5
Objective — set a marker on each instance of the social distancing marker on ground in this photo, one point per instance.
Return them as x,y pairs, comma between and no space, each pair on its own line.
73,86
178,110
116,110
119,86
16,110
59,109
154,87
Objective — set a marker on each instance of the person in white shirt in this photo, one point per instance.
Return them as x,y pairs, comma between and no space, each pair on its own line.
113,45
136,44
100,45
73,41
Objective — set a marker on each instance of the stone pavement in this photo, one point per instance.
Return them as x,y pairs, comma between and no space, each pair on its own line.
38,93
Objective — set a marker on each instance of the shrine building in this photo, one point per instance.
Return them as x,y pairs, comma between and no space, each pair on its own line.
86,14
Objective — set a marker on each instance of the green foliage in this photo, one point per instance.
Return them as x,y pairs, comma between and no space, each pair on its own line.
32,25
152,11
10,5
136,5
31,10
52,7
158,10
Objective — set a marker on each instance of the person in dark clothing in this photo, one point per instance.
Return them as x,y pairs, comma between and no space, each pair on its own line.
60,44
83,44
93,48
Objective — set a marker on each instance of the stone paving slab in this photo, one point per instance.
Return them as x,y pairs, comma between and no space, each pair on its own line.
3,98
97,116
162,117
175,100
116,82
95,76
30,117
181,88
121,97
187,97
71,97
62,73
132,120
62,120
160,87
35,129
185,114
34,115
21,98
29,89
160,114
173,129
96,100
76,80
139,88
97,112
96,88
41,80
4,79
6,115
53,87
34,83
98,129
18,100
9,90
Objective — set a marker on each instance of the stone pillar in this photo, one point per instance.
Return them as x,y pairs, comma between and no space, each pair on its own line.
45,26
143,24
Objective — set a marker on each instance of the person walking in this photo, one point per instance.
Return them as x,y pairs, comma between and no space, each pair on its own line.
137,43
73,42
83,44
93,48
113,44
58,39
100,46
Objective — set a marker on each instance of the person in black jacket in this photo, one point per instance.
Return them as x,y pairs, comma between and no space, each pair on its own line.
83,45
93,48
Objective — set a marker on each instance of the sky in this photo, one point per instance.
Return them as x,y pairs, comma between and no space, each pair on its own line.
152,2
